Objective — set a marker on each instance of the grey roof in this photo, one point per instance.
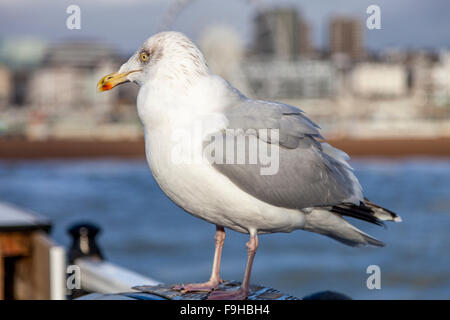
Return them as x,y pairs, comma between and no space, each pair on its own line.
80,54
14,219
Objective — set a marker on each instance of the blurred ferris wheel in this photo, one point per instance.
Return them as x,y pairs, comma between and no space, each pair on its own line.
221,44
177,6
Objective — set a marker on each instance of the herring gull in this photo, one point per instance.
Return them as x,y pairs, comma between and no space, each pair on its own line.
248,165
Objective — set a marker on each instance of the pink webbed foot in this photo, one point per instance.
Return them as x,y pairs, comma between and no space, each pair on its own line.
204,287
239,294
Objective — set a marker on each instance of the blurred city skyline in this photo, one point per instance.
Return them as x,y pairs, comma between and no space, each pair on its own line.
47,87
127,24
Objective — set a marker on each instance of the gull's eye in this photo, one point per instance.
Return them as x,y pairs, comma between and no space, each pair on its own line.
144,56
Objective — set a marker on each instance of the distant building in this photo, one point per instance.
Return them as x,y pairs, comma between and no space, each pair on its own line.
20,53
68,77
85,55
305,45
382,80
283,79
345,36
440,77
282,33
421,65
5,86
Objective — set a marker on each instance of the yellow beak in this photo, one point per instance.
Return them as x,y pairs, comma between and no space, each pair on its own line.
111,80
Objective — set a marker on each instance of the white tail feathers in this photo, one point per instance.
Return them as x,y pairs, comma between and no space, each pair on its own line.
334,226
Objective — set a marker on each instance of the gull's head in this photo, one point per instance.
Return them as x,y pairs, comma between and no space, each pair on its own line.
169,56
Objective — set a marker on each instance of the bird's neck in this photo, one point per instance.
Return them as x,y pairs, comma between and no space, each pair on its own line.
171,102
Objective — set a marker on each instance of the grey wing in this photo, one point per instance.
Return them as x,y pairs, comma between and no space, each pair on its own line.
293,125
303,171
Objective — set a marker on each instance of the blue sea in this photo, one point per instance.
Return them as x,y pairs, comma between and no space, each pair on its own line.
144,231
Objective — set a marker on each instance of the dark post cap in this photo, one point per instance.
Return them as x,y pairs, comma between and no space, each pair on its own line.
83,241
327,295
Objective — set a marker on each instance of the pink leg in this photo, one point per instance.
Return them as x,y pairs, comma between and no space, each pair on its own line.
242,292
214,280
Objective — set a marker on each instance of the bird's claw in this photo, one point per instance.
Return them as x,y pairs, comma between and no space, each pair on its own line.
205,287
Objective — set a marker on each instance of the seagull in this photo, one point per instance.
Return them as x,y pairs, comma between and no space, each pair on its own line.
252,166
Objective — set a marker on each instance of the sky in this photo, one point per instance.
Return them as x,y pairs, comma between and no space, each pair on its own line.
126,24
